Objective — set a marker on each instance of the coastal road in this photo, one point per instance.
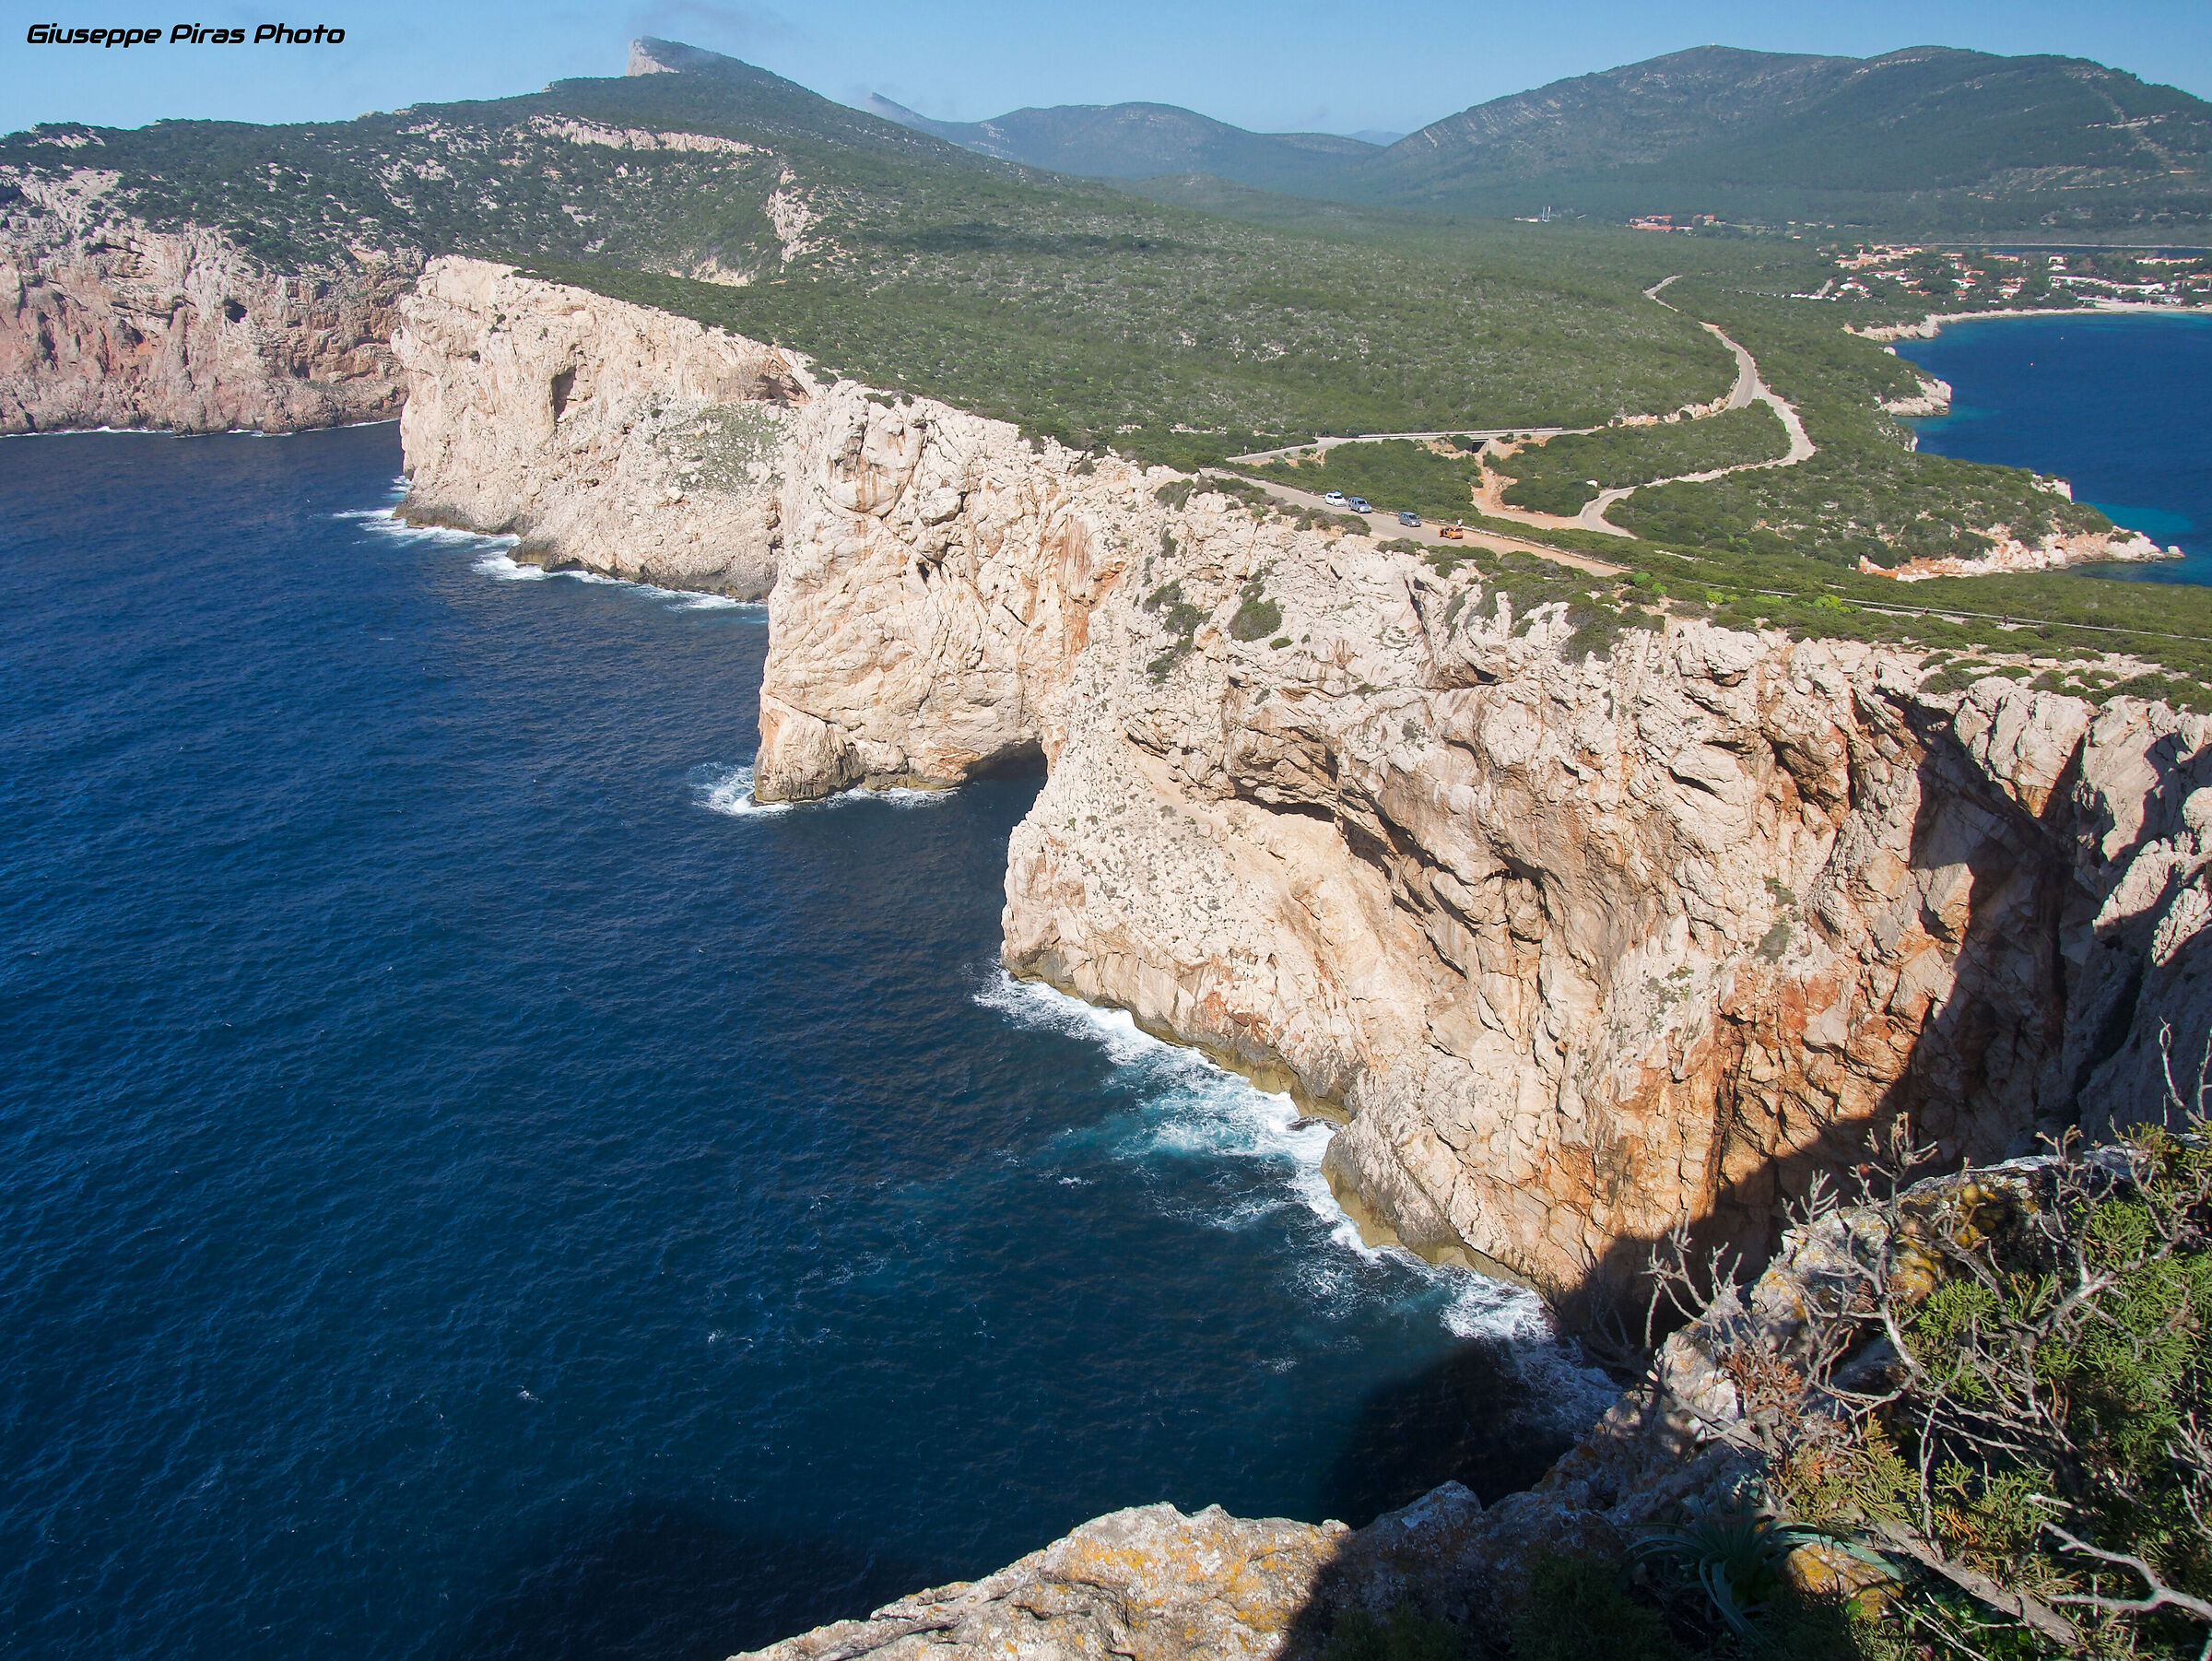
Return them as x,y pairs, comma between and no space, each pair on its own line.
1385,524
1377,438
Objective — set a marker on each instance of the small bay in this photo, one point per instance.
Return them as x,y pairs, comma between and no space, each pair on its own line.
2121,405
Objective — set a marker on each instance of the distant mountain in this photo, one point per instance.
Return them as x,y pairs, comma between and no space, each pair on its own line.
1927,140
1378,137
1926,136
1142,141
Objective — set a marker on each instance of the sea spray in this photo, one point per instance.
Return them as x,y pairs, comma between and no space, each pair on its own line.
1191,1108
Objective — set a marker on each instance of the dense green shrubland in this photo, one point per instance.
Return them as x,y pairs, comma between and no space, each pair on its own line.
1563,474
1391,473
1864,493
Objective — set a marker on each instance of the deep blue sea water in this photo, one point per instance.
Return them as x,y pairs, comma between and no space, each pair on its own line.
472,1188
2122,405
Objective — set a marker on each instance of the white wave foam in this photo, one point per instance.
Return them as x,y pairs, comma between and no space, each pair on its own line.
1484,1308
498,561
1196,1108
715,601
1034,1004
730,790
502,567
383,522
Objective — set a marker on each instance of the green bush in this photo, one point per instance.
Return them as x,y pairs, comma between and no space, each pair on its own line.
1405,1635
1577,1610
1256,616
1554,477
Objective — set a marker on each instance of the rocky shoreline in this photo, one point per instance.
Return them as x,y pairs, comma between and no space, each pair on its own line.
1150,1581
1928,328
1579,940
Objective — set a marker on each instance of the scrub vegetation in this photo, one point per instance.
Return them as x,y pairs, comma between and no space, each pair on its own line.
1987,1439
1392,473
1106,318
1864,493
1560,475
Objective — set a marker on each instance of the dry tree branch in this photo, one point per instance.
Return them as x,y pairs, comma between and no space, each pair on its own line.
2162,1594
2021,1606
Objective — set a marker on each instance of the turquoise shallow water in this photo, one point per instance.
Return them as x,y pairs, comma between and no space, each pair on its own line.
2122,405
472,1188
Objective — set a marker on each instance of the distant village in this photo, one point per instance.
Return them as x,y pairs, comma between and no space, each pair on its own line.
1969,279
1668,222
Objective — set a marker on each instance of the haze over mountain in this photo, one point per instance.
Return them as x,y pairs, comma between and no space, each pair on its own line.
1143,141
1928,138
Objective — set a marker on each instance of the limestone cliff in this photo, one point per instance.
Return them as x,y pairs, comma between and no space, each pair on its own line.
104,323
1581,936
604,435
1581,942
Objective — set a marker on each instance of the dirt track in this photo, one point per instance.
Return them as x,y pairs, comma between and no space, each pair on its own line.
1384,524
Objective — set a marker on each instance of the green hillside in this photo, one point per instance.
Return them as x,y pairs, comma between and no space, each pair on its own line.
1066,304
1927,139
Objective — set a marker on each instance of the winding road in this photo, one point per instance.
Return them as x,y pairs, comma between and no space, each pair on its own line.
1750,389
1384,524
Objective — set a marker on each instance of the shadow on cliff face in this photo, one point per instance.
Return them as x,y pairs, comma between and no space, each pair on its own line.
666,1581
1469,1418
1995,1050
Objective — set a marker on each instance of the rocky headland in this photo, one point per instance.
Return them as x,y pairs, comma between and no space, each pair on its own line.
1581,933
602,434
105,322
1584,923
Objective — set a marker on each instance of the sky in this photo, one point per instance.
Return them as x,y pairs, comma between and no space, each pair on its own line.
1284,65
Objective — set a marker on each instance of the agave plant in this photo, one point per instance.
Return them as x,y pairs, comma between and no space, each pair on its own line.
1736,1556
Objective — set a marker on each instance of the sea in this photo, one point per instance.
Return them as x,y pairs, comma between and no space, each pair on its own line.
473,1184
2121,405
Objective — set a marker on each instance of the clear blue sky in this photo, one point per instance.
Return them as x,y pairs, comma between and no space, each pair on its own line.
1284,64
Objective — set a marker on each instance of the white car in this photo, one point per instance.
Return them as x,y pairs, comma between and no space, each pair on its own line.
1335,499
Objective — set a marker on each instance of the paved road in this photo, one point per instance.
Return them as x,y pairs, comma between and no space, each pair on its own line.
1385,524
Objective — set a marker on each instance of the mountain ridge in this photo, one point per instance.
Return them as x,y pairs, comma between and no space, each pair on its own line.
1140,141
1922,139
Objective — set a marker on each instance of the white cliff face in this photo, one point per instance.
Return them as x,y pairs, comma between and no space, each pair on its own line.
936,582
1581,943
606,435
104,323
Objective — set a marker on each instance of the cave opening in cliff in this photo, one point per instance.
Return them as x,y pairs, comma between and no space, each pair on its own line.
1024,761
